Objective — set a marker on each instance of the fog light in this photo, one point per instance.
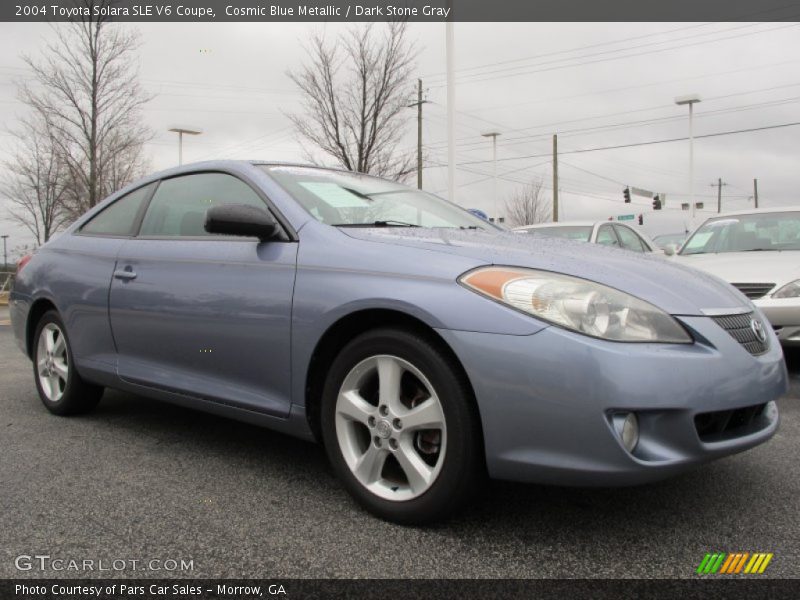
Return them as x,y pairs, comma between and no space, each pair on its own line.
627,426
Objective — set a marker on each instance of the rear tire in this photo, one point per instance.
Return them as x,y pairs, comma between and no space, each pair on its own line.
60,387
400,427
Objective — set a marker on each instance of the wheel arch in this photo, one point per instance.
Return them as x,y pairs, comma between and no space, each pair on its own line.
347,328
37,310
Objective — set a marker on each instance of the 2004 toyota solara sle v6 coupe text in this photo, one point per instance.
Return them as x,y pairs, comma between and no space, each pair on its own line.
424,347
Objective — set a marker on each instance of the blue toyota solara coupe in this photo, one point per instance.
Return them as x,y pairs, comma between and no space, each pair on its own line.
422,346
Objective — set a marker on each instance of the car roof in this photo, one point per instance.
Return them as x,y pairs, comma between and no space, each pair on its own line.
559,224
223,164
757,211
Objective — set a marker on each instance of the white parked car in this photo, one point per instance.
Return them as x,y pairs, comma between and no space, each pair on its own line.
607,233
758,252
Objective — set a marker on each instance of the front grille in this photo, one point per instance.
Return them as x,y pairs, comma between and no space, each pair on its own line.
741,329
726,424
754,290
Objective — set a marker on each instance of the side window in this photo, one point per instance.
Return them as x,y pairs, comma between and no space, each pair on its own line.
178,208
630,241
606,236
119,218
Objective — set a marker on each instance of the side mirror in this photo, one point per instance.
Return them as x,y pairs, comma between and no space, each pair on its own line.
242,220
669,249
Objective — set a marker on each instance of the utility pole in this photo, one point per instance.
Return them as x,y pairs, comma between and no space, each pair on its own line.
555,178
493,135
451,108
719,185
419,104
755,191
5,253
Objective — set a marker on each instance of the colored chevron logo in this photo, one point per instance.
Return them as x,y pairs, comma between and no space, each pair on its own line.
720,563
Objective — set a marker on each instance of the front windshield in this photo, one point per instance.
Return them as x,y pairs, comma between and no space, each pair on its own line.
571,232
354,200
746,233
662,241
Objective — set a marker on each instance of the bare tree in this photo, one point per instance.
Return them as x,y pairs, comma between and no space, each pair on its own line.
355,90
86,90
35,181
528,206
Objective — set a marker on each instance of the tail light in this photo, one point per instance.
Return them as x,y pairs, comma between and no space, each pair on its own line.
24,261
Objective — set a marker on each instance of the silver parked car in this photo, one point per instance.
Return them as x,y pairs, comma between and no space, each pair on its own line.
421,345
670,242
605,233
758,252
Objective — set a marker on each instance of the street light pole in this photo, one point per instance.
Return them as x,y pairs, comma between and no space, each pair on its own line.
493,135
555,178
691,100
5,253
180,130
451,110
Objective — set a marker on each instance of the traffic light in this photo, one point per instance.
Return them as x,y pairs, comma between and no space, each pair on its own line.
641,220
627,194
656,202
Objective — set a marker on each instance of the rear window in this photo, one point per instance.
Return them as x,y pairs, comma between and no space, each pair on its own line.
571,232
119,218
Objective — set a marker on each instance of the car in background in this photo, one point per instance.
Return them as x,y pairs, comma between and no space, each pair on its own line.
605,233
758,252
478,213
673,241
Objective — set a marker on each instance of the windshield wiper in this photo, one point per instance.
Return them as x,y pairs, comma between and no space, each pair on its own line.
378,224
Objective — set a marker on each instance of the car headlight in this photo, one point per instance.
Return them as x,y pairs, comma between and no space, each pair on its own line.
790,290
577,304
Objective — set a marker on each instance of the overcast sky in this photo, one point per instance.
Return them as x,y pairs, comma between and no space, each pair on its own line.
596,85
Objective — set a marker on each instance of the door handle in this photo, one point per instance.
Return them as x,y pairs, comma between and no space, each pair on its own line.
125,275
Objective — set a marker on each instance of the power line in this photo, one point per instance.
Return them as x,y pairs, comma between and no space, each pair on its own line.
648,143
703,76
495,70
610,43
467,141
612,58
567,51
653,121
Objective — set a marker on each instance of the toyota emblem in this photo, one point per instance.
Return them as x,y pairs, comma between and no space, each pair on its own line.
758,329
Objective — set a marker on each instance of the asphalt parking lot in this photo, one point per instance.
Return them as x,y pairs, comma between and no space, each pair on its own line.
142,480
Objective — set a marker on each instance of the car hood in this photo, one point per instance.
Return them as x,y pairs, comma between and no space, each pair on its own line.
747,267
674,288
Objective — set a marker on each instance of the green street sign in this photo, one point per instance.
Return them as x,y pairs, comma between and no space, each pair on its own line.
625,218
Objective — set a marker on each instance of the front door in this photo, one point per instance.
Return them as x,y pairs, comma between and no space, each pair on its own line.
202,315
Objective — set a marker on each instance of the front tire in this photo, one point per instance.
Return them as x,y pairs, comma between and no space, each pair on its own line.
61,389
400,427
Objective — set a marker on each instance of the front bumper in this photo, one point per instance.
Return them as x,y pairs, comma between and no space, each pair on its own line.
784,316
546,401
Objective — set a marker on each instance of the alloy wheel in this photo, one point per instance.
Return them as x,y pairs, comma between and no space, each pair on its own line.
391,428
52,362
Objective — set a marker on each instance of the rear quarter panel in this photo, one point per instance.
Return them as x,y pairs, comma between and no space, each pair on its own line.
74,272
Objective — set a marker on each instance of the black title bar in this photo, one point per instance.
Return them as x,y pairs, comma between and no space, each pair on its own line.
411,10
420,589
